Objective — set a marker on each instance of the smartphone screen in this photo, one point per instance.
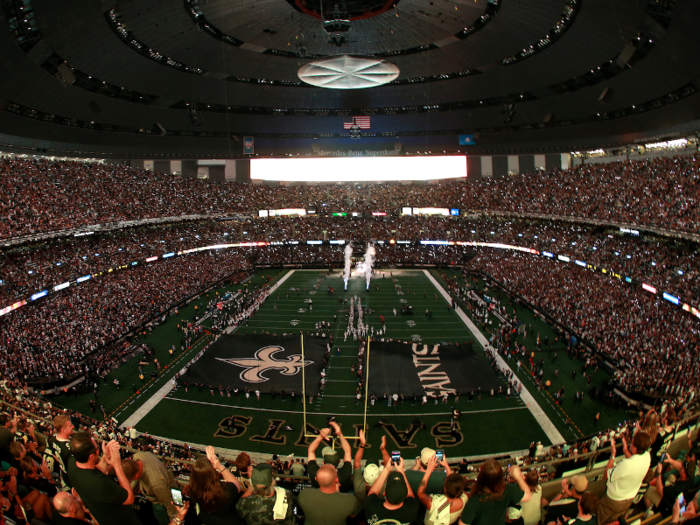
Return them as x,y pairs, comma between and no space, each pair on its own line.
681,502
395,457
177,497
439,454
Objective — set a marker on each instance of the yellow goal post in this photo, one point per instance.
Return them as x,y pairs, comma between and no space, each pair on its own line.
304,396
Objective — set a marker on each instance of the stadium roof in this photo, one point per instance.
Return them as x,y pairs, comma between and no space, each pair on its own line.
110,77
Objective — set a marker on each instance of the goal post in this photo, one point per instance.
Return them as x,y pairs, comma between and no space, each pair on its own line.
304,394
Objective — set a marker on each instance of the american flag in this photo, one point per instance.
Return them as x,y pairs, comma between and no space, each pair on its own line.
349,122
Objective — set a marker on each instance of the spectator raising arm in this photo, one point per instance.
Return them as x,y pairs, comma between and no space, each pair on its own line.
323,435
111,455
225,473
357,464
520,480
343,442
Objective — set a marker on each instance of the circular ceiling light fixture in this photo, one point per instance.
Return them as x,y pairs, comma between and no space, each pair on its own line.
346,72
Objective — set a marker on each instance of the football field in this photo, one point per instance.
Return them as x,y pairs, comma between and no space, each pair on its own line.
276,425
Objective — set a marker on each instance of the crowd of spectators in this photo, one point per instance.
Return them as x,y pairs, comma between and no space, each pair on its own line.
111,305
72,325
653,344
667,265
60,467
43,195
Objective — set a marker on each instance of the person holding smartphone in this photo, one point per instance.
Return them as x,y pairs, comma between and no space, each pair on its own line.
491,495
416,474
686,513
445,508
109,503
398,505
624,478
662,494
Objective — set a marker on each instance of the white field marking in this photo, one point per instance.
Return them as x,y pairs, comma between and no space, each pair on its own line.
257,409
149,405
552,433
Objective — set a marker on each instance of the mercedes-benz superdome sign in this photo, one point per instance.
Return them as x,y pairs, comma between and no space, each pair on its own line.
346,72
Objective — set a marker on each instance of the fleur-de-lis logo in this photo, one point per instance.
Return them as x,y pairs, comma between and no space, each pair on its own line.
263,361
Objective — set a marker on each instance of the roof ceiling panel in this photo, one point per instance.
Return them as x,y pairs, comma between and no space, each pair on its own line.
78,32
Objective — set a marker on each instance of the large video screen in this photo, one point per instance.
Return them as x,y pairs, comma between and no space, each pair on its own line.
358,169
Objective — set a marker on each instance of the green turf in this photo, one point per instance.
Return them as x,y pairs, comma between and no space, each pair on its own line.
133,392
487,425
581,415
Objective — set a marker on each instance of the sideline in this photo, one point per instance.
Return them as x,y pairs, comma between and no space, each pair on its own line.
169,385
256,409
149,405
552,433
281,281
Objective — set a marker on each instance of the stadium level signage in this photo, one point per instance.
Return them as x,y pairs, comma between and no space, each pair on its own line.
358,153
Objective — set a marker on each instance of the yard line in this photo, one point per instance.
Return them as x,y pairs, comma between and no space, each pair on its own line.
257,409
352,397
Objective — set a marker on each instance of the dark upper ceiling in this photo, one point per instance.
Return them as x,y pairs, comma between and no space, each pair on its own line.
136,63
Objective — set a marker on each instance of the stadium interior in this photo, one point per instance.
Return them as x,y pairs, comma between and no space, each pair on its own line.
241,230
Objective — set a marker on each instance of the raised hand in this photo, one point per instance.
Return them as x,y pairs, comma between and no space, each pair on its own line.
211,456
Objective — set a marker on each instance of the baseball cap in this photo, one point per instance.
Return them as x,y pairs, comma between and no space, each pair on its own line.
426,454
371,473
262,474
330,456
396,490
580,483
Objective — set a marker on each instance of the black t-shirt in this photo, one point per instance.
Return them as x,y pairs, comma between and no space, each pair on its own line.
344,475
578,521
664,438
671,493
57,519
376,512
102,496
228,515
6,438
41,484
485,510
570,510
